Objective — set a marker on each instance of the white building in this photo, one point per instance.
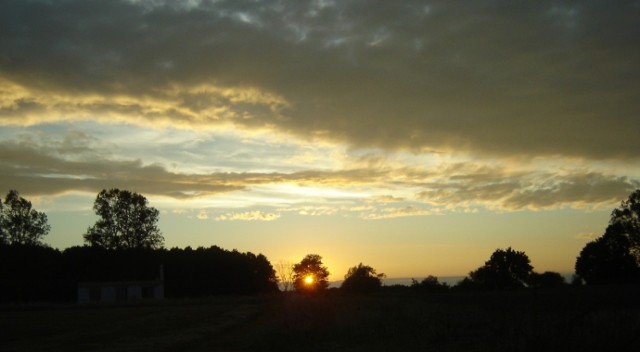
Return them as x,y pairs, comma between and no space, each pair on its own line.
121,291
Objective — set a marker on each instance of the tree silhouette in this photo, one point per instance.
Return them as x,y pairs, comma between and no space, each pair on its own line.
284,269
627,220
4,236
362,278
310,275
20,223
126,221
548,279
628,217
3,224
505,269
615,256
429,283
608,259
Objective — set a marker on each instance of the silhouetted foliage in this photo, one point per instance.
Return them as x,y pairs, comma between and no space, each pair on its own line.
20,223
209,271
97,264
36,273
187,272
310,275
547,279
615,256
576,280
466,284
505,269
362,278
284,270
627,217
3,223
32,273
429,284
126,221
608,259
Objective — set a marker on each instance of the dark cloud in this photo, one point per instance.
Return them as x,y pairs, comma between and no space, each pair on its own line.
501,77
35,171
501,189
588,188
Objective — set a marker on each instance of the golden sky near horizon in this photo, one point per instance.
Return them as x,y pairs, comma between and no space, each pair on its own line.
412,136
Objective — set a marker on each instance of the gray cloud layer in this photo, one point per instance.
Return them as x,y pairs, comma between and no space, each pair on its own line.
501,77
55,168
502,190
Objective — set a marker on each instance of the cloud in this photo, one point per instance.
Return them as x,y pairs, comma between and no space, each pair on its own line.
396,212
202,215
386,199
52,167
34,171
41,164
504,189
501,78
577,190
587,236
312,210
248,216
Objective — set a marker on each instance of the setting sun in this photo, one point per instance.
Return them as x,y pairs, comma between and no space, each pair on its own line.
308,279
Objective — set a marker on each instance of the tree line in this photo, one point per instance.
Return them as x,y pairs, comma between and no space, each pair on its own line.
505,269
613,258
126,244
39,273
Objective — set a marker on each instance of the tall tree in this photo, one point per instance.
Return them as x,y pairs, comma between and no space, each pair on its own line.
505,269
3,224
614,257
607,260
126,221
627,217
20,223
310,275
362,278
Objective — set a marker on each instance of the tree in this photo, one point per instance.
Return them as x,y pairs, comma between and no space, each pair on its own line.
627,217
429,283
285,274
615,256
126,221
608,259
3,224
505,269
362,278
310,275
548,279
20,223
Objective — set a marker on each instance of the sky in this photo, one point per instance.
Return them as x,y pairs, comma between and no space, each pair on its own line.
413,136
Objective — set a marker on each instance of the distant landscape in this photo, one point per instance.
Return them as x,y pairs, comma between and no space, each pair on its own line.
406,281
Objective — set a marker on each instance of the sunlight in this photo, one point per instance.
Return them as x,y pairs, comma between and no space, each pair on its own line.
308,280
320,191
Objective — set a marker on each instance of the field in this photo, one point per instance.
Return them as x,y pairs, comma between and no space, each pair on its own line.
572,319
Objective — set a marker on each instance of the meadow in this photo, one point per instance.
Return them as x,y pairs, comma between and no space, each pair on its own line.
568,319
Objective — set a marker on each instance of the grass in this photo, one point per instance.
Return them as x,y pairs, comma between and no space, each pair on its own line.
584,319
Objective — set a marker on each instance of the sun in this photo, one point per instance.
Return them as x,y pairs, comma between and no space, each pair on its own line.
308,279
